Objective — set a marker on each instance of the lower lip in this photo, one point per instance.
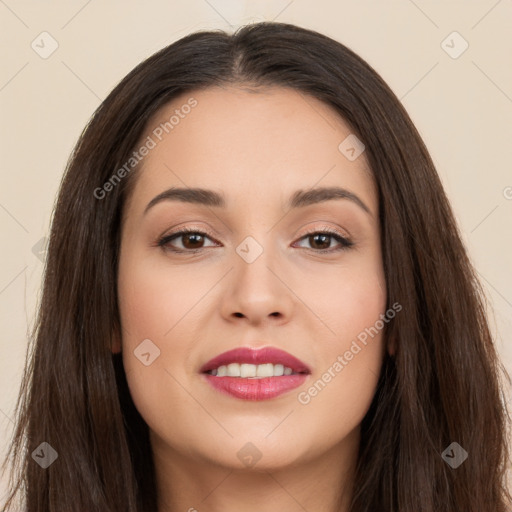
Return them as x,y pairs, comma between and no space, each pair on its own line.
255,389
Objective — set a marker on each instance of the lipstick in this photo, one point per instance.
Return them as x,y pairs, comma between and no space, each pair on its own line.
255,374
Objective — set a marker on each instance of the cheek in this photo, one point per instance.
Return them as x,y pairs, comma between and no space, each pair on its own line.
342,387
147,315
350,347
153,299
357,305
345,298
157,304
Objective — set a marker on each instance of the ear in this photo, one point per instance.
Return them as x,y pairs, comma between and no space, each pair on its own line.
391,348
115,342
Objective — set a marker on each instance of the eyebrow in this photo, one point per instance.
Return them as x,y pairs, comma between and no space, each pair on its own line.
299,199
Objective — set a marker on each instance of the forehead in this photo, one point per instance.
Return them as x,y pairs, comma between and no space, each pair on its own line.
249,145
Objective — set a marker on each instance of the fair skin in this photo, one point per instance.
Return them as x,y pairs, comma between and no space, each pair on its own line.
256,149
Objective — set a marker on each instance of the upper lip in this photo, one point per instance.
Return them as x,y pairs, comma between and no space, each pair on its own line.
256,356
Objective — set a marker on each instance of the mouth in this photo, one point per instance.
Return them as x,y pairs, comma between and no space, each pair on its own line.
252,371
246,362
255,374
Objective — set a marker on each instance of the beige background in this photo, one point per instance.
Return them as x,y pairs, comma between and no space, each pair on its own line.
462,107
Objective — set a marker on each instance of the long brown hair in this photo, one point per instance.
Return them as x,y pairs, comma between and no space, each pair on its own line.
442,385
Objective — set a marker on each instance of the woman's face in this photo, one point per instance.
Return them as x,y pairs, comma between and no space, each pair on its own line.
256,277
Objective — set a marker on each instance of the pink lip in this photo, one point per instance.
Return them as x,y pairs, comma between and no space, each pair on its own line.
251,388
256,356
256,389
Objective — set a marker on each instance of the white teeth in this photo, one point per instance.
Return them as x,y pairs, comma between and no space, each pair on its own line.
278,370
233,370
247,370
251,371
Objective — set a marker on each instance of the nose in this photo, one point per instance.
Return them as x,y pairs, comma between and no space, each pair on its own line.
256,292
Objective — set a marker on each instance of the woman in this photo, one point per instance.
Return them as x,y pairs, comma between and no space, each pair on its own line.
256,296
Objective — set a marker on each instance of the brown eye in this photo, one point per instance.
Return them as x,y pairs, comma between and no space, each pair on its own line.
320,241
191,240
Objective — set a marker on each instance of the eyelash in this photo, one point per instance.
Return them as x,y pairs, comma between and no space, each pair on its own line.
162,242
